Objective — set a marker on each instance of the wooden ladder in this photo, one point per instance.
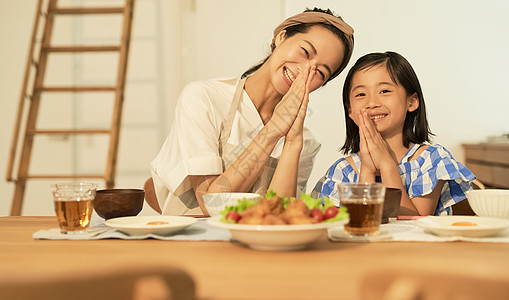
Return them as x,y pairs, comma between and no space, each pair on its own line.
31,91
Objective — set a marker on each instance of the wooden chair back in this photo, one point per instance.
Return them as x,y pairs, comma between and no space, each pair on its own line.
432,285
134,283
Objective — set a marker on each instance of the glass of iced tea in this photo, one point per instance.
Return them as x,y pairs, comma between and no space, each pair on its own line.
74,205
364,202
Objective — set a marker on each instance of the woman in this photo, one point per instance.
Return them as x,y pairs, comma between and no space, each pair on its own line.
247,134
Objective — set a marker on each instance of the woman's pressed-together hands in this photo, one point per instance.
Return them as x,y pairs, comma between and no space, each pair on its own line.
288,117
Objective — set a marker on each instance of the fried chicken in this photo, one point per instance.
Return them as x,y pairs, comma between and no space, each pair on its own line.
297,212
272,212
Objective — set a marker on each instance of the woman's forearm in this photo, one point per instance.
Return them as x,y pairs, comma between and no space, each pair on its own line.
284,181
245,170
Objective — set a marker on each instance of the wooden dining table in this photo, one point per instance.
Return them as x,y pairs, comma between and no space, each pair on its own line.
228,270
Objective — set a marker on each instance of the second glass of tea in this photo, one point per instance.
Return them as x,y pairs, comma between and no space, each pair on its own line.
364,202
74,205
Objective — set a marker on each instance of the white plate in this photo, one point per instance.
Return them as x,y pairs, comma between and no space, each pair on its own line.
138,225
442,225
274,237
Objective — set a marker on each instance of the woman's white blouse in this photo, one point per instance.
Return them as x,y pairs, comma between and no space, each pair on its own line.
192,146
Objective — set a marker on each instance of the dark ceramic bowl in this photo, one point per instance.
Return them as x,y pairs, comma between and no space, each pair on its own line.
391,204
113,203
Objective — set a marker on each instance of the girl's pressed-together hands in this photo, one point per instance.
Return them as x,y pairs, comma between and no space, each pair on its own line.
374,151
368,166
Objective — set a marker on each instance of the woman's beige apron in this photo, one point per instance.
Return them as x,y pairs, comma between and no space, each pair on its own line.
183,200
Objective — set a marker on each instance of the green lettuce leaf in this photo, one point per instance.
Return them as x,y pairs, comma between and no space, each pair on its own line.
312,202
270,194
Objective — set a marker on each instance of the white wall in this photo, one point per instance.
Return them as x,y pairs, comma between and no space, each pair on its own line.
153,77
15,28
174,42
458,49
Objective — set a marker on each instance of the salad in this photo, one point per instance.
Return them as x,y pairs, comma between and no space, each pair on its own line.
275,210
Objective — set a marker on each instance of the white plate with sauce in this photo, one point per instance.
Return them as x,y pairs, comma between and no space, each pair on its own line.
467,226
142,225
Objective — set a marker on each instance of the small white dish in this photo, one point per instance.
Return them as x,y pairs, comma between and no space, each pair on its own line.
141,225
443,225
339,234
274,237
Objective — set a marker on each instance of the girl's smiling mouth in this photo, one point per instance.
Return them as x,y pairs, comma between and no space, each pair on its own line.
377,117
288,75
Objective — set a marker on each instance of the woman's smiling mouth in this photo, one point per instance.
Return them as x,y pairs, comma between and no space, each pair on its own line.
288,75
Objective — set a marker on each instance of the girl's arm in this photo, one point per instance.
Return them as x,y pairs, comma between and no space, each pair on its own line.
244,171
425,205
417,206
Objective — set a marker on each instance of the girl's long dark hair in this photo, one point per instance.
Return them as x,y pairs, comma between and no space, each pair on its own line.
303,28
415,129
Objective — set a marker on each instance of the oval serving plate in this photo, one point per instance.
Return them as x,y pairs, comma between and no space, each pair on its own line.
442,225
274,237
140,225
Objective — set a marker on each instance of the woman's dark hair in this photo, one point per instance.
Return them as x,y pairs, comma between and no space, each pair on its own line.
415,129
304,28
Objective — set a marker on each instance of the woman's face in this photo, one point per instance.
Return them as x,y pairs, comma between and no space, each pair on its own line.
319,46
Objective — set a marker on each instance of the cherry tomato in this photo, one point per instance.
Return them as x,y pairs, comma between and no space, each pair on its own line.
317,215
233,215
331,212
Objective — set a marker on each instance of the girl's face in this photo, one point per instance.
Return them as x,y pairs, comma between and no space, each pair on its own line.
319,46
385,102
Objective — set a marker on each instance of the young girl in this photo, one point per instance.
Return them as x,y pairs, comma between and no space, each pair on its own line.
387,137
